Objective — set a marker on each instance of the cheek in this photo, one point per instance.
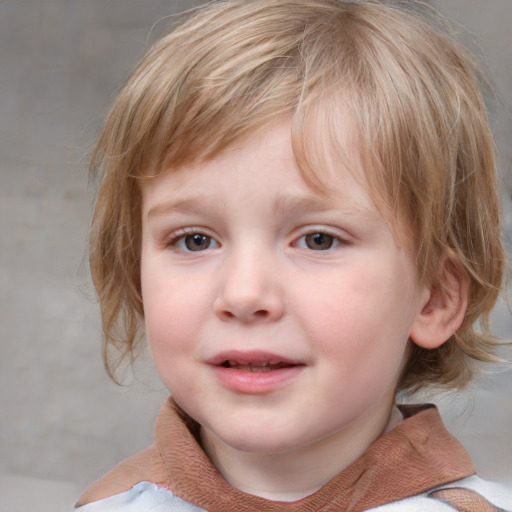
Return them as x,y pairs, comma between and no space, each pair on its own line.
167,312
170,331
167,318
361,318
177,305
343,305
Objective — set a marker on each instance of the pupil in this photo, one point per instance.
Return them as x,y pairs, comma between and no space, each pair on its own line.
196,242
319,241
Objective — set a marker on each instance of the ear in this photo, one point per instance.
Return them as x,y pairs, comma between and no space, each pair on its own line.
444,308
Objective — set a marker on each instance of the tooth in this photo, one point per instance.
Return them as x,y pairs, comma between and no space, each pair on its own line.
255,368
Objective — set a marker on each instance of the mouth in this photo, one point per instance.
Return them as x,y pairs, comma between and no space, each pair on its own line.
256,366
255,372
253,361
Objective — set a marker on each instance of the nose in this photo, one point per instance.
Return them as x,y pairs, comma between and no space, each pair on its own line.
249,290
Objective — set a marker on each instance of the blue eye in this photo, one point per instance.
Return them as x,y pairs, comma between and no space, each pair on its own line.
194,242
318,241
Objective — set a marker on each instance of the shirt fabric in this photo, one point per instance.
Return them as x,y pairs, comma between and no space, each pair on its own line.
417,466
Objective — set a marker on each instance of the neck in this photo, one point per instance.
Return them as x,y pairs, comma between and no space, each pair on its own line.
293,475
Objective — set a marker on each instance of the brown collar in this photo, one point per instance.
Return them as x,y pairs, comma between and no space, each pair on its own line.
416,456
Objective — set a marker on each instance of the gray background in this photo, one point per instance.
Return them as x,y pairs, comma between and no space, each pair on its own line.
62,422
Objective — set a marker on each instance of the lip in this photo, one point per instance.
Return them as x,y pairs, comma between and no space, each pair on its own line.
252,356
258,382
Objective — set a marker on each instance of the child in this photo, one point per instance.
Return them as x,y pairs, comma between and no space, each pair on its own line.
298,203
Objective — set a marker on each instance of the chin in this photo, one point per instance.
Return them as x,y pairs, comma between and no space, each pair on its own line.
258,440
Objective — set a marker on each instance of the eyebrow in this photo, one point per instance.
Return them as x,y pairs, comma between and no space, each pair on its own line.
297,204
292,204
286,204
188,205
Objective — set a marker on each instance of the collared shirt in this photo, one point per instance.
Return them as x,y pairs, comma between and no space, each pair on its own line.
417,466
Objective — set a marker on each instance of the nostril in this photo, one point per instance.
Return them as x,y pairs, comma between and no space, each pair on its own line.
247,307
258,314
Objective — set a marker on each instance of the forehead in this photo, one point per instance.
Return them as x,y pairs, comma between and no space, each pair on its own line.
266,165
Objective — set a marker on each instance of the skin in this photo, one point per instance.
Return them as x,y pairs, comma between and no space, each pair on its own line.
278,271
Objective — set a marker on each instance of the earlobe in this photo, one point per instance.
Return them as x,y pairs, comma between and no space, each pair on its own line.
444,309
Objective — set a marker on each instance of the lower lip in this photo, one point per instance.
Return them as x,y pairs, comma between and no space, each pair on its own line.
255,383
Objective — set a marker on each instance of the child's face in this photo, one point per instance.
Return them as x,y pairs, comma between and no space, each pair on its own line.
276,316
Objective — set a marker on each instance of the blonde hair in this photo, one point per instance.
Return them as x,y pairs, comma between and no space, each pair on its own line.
235,66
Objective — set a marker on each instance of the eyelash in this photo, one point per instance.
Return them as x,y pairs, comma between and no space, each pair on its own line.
181,236
333,240
330,240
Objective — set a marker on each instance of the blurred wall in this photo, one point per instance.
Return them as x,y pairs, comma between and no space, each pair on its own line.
60,64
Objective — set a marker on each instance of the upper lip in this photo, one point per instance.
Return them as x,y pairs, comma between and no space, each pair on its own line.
251,357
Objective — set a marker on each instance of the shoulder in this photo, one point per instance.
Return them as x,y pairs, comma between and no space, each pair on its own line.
144,496
146,466
472,494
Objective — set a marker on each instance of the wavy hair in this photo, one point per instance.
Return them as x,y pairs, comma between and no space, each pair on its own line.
234,66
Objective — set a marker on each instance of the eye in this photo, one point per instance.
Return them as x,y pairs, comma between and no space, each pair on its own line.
318,241
194,242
